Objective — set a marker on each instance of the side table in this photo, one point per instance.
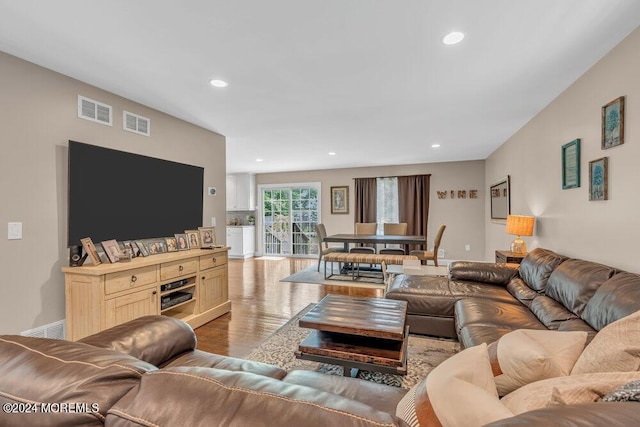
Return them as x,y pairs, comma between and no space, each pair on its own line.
509,257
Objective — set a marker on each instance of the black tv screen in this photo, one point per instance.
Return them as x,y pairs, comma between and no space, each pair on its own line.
125,196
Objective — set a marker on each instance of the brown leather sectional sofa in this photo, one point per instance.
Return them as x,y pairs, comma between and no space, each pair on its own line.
480,302
148,372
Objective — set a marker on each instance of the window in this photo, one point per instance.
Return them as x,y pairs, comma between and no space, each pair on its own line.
387,202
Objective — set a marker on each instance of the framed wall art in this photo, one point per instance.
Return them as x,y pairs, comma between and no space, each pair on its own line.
599,179
340,200
571,164
613,123
500,193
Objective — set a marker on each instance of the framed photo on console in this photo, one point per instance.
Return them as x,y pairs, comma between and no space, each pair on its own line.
193,237
183,243
156,246
172,244
141,247
207,237
90,249
112,249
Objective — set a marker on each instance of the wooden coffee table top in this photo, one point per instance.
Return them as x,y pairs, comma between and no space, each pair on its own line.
368,317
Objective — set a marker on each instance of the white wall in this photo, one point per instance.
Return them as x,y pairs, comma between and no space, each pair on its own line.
39,116
567,222
464,217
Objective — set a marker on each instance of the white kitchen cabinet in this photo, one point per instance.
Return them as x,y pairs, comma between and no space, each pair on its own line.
241,192
241,239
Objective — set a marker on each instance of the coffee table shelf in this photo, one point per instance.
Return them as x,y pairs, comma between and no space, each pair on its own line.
361,333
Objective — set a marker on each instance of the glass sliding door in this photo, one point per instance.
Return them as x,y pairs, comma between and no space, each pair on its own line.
289,217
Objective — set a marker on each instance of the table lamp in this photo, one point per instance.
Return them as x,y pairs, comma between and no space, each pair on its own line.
519,225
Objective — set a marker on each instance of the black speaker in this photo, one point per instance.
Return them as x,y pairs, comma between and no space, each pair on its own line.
75,256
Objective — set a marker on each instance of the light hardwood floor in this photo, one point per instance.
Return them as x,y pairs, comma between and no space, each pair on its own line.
260,303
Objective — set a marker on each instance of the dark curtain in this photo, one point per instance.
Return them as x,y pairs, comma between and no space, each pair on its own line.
366,196
413,204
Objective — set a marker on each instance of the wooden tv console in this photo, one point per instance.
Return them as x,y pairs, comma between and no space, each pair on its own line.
106,295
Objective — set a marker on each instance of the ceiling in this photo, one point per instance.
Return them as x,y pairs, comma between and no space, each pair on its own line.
369,80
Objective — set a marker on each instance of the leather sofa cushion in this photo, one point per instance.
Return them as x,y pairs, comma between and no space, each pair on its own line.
521,291
509,315
578,325
45,370
381,397
479,320
584,415
211,397
537,266
210,360
472,335
550,312
574,282
154,339
616,298
485,272
436,296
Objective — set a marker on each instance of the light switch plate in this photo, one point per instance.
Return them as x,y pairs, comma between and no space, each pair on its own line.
14,231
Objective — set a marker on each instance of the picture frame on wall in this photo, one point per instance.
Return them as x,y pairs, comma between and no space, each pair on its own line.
193,237
613,123
571,164
207,237
599,179
340,199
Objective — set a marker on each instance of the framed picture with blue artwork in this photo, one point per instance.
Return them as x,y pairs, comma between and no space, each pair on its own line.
599,179
613,123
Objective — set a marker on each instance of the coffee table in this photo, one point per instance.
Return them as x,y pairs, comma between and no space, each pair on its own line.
357,333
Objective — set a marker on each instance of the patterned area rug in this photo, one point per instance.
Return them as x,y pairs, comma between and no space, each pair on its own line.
311,275
425,353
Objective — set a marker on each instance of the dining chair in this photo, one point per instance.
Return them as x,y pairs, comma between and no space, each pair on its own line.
364,228
395,229
426,256
323,247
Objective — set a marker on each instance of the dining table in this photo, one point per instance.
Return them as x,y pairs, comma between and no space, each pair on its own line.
390,239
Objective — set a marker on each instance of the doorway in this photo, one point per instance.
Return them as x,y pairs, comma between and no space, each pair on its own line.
289,217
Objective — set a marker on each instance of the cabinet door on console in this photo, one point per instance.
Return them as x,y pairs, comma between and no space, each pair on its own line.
213,288
131,306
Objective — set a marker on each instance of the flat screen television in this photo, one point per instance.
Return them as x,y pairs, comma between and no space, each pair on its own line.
118,195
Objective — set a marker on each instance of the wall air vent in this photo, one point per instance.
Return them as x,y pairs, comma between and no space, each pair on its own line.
136,124
55,330
95,111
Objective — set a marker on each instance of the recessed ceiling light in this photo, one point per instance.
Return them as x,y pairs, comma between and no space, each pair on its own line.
259,160
332,153
453,38
435,145
218,83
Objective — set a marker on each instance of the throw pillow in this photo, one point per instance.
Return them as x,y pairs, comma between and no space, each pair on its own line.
529,355
569,390
459,391
616,348
627,393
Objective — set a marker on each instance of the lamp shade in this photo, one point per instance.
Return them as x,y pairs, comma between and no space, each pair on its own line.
520,225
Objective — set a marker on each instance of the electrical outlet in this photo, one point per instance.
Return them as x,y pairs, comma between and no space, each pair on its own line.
14,231
441,253
213,221
467,247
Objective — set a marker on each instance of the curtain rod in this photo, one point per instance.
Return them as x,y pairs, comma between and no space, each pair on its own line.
394,176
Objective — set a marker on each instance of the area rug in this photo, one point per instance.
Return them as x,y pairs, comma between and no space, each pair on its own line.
311,275
425,353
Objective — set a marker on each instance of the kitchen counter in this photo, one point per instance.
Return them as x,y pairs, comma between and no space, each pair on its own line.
242,240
